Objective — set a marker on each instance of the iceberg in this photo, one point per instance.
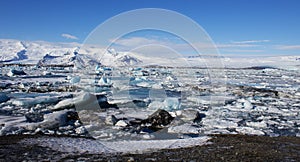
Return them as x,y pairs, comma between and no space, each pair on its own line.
28,102
172,103
75,79
85,101
104,81
169,104
83,98
141,82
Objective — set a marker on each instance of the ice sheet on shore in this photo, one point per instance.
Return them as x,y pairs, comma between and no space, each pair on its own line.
82,145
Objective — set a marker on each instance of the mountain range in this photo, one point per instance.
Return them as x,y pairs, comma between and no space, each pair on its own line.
49,53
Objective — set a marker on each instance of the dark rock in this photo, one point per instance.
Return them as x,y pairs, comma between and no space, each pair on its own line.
140,103
71,117
199,117
264,92
34,117
17,72
3,97
158,120
4,85
102,101
230,101
101,98
146,129
136,122
106,105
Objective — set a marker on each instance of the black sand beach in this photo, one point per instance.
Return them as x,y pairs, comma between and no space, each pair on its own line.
222,148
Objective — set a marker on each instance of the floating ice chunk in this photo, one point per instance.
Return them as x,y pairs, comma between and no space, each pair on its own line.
157,86
245,104
199,100
221,124
138,73
75,79
135,80
190,115
103,69
97,68
136,69
144,84
80,130
274,110
121,123
169,104
141,82
261,124
111,120
31,101
207,100
21,86
82,99
173,114
104,81
184,129
172,103
249,131
148,136
47,73
3,97
170,78
54,120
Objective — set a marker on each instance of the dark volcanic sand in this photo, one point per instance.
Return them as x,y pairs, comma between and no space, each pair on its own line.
223,148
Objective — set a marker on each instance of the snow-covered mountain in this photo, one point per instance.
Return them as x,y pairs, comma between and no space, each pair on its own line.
29,52
48,53
69,58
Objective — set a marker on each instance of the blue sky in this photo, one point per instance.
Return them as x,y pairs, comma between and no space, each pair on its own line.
256,27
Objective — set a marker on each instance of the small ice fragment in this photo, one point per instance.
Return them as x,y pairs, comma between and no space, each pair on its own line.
172,103
75,79
121,123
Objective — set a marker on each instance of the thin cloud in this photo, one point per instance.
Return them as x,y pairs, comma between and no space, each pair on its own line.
244,50
154,46
232,45
289,47
250,41
140,41
69,36
136,41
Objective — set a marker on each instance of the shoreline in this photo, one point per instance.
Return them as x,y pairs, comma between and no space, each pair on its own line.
220,148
